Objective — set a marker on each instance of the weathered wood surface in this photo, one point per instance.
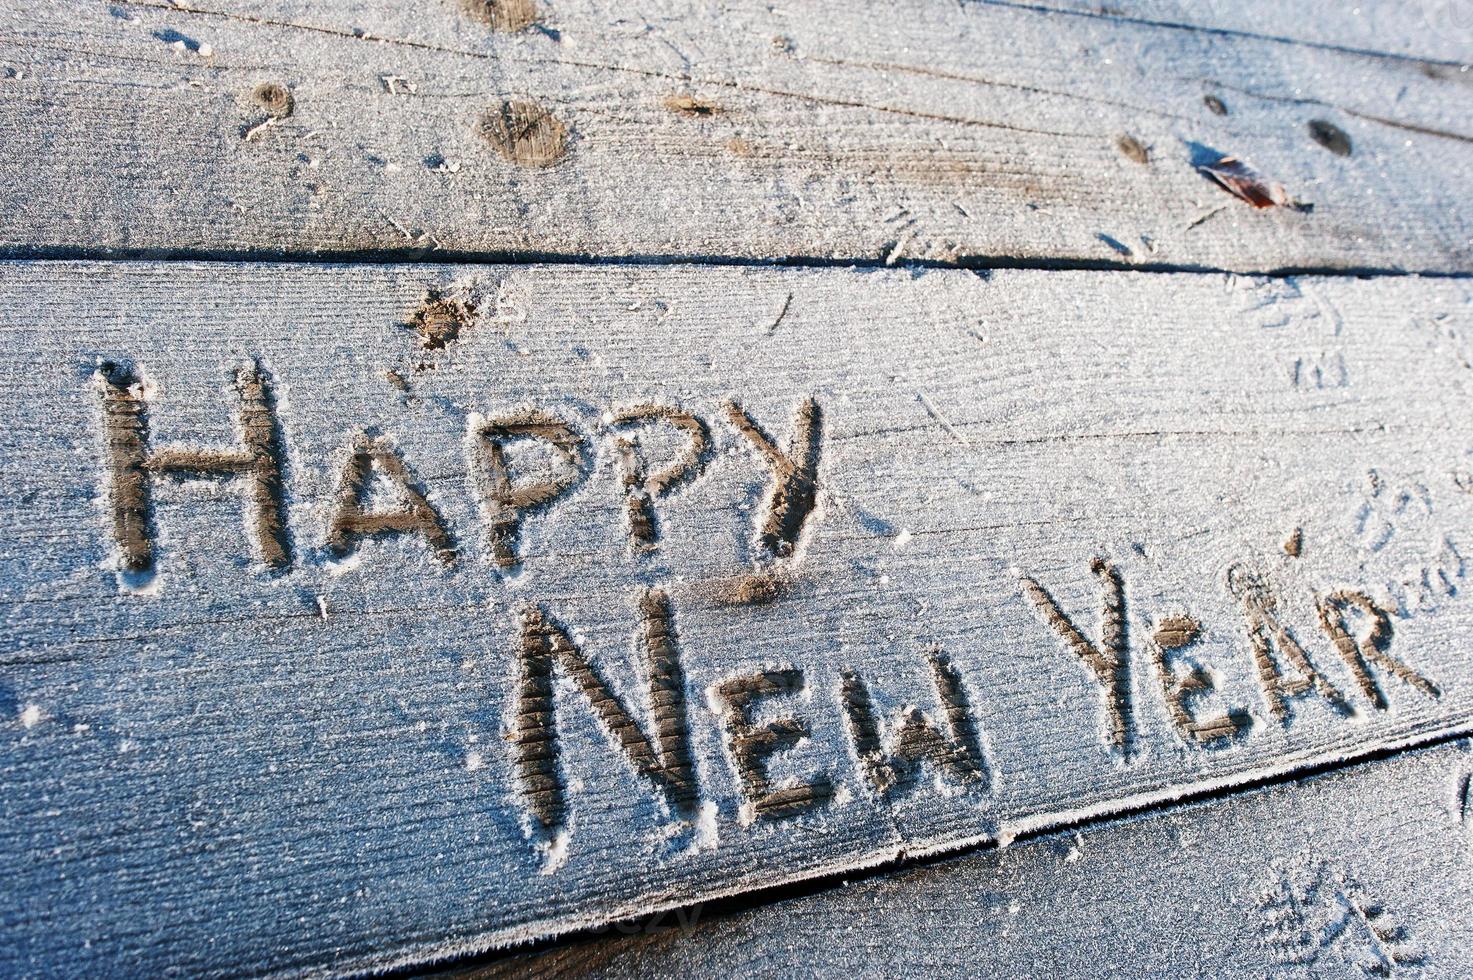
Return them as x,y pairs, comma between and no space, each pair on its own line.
1360,873
234,740
1420,30
989,133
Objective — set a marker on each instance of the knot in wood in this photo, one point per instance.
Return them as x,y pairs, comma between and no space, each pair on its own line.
524,133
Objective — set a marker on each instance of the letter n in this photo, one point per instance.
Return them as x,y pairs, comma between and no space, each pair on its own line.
662,757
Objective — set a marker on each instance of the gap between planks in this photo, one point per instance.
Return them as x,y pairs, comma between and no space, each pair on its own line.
465,965
432,256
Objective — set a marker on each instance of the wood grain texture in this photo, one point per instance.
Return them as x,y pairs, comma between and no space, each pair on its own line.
1359,873
397,746
1418,30
984,133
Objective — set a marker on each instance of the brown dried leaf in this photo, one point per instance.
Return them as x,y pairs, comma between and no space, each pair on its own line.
1245,183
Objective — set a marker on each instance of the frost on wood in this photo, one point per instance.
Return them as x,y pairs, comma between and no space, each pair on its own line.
1304,879
951,132
619,603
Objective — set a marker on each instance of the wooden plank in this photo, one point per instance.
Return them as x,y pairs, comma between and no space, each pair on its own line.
978,133
1360,873
341,632
1423,30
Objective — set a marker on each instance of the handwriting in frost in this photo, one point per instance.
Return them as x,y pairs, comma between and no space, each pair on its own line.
755,713
1359,631
134,462
758,716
